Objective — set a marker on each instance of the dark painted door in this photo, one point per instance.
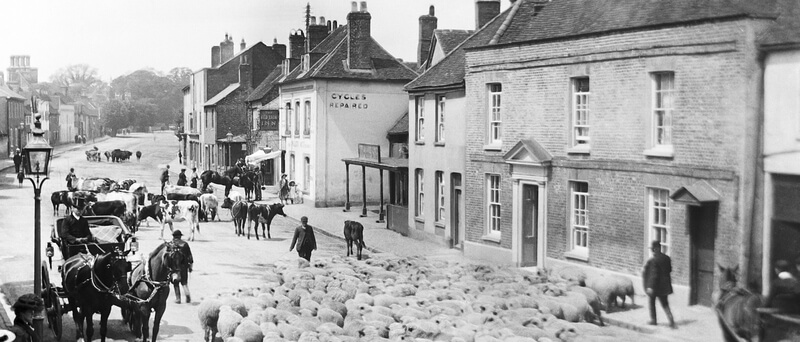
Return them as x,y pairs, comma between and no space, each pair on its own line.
703,227
455,212
530,218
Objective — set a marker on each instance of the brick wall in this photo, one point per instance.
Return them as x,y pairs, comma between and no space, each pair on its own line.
713,133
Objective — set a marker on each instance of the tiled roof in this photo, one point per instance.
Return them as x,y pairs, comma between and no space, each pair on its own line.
266,85
567,18
332,64
6,92
450,39
786,29
450,70
400,127
221,95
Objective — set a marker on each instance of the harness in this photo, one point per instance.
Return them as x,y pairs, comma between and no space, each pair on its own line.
146,278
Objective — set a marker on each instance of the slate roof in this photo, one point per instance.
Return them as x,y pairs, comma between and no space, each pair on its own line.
400,127
221,95
332,64
6,92
450,39
786,29
266,85
569,18
450,70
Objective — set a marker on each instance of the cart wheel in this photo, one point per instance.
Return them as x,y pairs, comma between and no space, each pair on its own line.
52,303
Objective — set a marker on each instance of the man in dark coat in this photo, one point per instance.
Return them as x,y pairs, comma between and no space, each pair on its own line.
784,293
71,179
182,177
164,178
17,160
193,178
75,229
658,282
186,268
304,238
24,309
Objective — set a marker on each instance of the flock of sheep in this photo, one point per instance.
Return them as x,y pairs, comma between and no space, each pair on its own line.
390,298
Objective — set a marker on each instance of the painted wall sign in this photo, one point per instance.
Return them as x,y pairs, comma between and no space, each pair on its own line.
268,120
369,152
348,101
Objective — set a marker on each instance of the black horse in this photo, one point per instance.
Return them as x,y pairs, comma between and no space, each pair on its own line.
91,283
208,177
262,213
152,288
736,308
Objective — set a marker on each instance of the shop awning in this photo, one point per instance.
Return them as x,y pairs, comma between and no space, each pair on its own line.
698,193
260,156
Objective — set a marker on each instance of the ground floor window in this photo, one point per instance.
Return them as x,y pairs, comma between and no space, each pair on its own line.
579,217
440,199
493,204
419,191
658,212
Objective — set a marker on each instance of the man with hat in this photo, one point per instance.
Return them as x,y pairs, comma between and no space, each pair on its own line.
75,228
164,178
186,268
784,293
658,282
24,309
17,160
304,239
182,177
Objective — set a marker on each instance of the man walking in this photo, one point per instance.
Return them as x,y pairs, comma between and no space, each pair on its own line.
182,177
164,178
180,157
17,160
658,282
186,268
304,238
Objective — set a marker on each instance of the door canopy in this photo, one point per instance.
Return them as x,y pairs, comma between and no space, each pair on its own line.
699,193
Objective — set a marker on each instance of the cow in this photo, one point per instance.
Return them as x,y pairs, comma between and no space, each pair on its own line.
131,204
155,199
208,206
113,208
182,190
80,198
108,155
95,184
354,232
126,184
60,197
177,211
93,155
140,191
138,155
239,216
232,198
150,211
262,213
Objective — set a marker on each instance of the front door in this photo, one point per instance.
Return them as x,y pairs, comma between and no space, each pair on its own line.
702,225
457,228
530,219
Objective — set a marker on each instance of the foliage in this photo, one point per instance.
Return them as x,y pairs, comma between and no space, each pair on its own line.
79,78
154,97
125,113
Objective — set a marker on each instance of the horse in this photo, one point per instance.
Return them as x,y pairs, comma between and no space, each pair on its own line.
208,177
354,232
247,182
264,214
151,287
736,308
138,155
91,283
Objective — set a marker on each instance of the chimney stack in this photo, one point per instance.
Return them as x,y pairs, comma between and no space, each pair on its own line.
427,24
226,49
242,45
335,25
316,33
279,48
214,56
245,72
297,42
358,37
485,11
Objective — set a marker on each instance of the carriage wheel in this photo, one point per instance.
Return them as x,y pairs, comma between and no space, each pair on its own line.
52,304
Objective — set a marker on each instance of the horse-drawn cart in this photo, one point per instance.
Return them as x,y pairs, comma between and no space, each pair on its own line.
96,267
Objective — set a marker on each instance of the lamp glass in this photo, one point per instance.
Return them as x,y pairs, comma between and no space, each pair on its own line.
37,161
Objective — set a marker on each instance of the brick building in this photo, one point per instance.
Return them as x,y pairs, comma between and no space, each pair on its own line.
12,116
347,90
263,116
587,141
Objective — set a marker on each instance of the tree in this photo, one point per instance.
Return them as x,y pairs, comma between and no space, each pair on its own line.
116,114
78,78
154,95
180,76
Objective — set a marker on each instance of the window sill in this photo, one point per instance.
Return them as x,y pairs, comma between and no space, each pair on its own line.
420,142
575,255
580,149
493,147
438,143
306,136
661,151
439,225
491,237
419,219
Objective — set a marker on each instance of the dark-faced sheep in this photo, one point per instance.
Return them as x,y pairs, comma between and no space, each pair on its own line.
354,232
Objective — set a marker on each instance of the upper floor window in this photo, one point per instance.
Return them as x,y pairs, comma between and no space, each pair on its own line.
297,118
495,114
440,101
493,204
420,184
658,212
307,114
288,118
419,118
663,102
440,207
580,111
579,217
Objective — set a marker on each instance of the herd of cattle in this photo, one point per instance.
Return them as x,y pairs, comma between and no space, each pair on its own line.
130,201
115,156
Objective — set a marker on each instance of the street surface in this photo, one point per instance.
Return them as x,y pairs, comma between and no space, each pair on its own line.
223,262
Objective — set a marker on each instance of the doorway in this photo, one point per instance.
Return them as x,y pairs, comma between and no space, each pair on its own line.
702,227
530,220
457,228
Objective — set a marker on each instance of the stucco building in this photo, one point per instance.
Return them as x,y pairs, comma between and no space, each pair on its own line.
12,118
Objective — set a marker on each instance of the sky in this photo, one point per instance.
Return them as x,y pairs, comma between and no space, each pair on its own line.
121,36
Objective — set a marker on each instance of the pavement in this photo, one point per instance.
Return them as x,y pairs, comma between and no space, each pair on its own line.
695,323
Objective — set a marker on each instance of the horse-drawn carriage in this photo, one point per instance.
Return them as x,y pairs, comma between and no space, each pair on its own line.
90,273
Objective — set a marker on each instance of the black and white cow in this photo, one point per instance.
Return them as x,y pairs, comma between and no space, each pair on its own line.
178,211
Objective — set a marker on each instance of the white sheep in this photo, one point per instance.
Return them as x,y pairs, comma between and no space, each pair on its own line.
609,287
289,332
235,304
208,313
228,321
249,332
331,328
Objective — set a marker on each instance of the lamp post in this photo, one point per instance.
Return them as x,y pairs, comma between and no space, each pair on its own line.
36,164
230,138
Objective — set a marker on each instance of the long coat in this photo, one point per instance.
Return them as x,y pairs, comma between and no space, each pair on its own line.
304,238
657,274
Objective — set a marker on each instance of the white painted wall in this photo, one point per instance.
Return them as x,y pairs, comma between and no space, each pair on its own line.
782,112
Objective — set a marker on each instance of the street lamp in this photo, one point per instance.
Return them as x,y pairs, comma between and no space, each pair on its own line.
230,138
36,163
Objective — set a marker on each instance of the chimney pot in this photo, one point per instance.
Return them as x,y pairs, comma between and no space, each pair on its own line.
335,25
313,20
364,6
322,20
330,27
431,11
354,6
274,41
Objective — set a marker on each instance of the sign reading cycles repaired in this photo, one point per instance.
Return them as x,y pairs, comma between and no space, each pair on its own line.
349,101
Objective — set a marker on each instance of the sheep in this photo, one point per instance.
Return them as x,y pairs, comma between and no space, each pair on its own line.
309,305
249,332
208,313
384,300
289,332
339,307
572,274
421,328
593,299
273,337
331,328
609,287
228,321
235,304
